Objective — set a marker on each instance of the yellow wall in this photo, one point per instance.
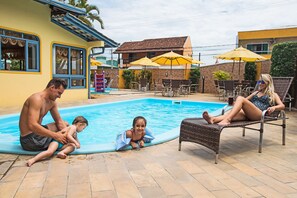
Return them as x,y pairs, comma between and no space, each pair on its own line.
34,18
272,33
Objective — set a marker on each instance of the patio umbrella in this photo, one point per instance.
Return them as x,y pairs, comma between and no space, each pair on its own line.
145,61
194,61
241,54
94,62
171,58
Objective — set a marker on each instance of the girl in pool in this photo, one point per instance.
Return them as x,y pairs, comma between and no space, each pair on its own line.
252,106
78,125
137,132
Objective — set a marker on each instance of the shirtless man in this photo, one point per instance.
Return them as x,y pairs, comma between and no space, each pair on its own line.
37,137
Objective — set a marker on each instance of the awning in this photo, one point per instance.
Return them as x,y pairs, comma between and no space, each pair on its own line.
63,7
79,28
64,15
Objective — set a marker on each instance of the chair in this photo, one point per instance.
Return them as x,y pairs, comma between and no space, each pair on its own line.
220,87
144,84
229,88
159,88
197,130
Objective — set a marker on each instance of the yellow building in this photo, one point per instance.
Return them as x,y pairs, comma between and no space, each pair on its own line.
41,40
262,41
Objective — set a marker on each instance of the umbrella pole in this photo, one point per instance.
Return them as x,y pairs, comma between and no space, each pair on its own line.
233,66
239,69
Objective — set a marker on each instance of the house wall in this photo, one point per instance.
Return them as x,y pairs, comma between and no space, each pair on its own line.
34,18
272,37
207,72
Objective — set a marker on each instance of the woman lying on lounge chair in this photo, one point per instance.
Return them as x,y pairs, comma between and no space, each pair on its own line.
251,107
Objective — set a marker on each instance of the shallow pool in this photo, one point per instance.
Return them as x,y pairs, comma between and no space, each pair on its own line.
109,119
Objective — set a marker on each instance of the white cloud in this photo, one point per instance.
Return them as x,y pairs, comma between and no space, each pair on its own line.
207,22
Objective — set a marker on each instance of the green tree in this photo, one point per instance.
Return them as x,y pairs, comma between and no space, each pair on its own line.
128,76
250,71
91,10
195,75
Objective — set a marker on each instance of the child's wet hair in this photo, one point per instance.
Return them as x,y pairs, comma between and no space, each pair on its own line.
80,119
138,118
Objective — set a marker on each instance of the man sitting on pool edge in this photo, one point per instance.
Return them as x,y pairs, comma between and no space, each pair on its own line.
35,136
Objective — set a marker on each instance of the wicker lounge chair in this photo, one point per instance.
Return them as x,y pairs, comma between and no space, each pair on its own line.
197,130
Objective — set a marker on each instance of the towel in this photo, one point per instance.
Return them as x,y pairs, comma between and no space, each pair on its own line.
122,141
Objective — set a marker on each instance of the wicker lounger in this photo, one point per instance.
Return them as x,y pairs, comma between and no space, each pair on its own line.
197,130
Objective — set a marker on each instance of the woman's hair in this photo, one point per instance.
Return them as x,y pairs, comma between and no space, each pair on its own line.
138,118
80,119
269,90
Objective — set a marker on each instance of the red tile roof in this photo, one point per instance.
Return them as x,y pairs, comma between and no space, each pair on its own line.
147,45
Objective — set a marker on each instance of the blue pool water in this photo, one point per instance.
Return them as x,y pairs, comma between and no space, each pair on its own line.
109,119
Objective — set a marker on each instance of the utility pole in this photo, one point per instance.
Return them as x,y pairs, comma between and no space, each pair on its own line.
111,58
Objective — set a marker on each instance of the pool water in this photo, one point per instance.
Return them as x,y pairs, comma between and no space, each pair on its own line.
109,119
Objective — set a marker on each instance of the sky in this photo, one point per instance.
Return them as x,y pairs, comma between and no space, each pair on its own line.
212,25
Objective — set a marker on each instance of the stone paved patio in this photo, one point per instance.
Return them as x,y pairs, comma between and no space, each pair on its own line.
162,170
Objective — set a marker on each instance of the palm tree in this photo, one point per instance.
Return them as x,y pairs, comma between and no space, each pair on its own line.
91,10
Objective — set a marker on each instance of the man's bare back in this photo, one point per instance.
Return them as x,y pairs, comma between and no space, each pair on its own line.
35,136
37,100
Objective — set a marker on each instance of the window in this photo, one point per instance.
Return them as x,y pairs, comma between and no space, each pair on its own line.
151,54
69,64
19,51
261,48
132,57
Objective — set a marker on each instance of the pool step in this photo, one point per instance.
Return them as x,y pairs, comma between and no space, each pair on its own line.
177,102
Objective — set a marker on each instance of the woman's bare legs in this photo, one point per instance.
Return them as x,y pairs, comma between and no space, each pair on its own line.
66,149
241,110
44,154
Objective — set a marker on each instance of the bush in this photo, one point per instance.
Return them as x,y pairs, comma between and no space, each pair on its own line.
284,59
221,75
195,75
128,76
284,63
250,72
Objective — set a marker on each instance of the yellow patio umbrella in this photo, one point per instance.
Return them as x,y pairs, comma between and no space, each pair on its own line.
171,58
194,61
94,62
241,54
145,61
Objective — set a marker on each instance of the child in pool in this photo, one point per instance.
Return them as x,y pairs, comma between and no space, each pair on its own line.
137,132
78,125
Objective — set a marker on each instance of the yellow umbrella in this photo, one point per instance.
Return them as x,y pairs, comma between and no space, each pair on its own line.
94,62
171,58
145,61
194,61
241,54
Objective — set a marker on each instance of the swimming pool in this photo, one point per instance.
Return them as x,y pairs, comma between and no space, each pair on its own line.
109,119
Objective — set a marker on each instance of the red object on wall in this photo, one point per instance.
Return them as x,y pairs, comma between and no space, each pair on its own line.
99,82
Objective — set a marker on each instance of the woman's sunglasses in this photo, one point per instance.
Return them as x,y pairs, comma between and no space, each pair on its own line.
261,82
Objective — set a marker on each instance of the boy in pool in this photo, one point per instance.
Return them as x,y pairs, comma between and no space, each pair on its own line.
137,133
78,125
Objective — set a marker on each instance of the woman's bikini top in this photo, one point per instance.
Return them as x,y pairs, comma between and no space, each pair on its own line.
261,102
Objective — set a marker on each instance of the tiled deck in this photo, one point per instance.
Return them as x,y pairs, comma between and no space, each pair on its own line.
162,170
